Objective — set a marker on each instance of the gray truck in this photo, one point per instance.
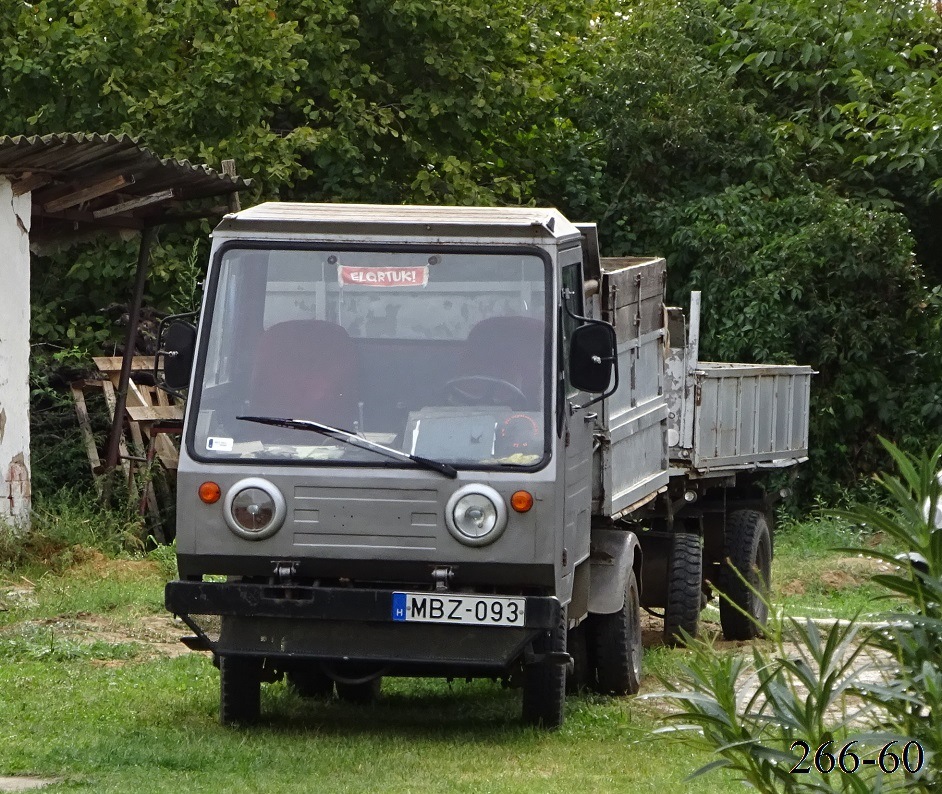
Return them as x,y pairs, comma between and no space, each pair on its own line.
449,441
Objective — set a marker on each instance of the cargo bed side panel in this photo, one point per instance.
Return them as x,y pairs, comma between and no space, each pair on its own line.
630,461
746,414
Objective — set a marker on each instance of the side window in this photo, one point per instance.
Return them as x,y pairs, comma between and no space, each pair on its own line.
572,286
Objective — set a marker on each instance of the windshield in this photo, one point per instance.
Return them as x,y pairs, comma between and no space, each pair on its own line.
438,354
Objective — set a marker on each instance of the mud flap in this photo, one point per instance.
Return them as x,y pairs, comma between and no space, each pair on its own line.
612,556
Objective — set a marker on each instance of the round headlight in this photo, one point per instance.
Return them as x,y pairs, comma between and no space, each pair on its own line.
254,509
476,515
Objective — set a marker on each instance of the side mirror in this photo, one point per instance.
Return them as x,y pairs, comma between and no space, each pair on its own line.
176,346
592,357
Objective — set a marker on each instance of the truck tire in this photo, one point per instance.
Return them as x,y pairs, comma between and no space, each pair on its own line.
616,644
362,693
748,550
240,685
544,683
310,681
684,588
582,674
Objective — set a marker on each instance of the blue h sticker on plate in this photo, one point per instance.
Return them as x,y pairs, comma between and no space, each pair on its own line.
399,606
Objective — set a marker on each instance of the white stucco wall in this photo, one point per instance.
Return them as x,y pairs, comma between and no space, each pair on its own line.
14,358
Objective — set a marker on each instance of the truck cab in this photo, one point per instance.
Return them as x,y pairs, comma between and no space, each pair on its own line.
387,454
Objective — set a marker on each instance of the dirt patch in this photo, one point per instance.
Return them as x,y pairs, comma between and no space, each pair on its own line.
155,635
838,580
793,588
863,566
88,562
20,595
850,572
159,634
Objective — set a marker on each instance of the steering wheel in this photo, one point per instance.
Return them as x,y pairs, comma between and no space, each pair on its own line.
490,392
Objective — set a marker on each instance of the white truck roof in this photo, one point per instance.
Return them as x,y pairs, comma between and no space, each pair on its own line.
364,221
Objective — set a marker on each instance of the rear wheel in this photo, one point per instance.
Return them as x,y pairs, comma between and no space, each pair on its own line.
544,682
748,551
240,684
360,692
310,681
684,588
615,640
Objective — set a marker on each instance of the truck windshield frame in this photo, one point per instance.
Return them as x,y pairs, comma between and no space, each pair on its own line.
389,322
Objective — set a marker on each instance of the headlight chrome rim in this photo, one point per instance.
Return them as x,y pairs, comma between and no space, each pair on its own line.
499,516
279,508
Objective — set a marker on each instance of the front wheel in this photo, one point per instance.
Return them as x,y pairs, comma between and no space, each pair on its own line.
615,641
746,575
544,682
240,685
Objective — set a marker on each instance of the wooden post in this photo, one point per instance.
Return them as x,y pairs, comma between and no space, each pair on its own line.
117,425
229,169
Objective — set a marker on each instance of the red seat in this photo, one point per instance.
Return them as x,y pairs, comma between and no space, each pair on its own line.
510,349
306,369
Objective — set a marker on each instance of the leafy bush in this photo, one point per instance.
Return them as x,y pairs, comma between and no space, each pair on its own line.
796,274
848,691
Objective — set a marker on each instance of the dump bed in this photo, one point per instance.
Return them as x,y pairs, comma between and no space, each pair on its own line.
673,414
732,416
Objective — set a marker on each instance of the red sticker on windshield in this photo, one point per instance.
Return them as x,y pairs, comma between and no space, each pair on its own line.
383,276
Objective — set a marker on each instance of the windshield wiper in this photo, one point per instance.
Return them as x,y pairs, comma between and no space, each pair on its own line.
353,438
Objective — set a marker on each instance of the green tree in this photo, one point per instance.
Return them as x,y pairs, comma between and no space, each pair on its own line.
855,87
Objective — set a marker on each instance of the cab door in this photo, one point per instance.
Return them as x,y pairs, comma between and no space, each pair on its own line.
578,425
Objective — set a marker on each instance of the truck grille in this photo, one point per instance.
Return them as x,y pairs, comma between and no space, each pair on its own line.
374,518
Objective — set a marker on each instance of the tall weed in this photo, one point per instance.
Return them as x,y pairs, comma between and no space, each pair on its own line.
72,519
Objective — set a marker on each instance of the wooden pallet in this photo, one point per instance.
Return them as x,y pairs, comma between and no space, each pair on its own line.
152,418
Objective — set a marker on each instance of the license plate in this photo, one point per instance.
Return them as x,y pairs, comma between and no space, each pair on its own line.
477,610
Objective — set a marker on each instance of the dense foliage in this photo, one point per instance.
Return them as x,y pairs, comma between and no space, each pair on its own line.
782,153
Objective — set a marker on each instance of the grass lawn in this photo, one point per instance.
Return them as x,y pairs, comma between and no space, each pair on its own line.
96,692
91,694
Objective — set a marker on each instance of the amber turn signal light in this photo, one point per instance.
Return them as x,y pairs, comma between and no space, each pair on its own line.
521,501
210,492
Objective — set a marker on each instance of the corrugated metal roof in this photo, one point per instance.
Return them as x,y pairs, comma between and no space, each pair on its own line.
82,182
398,220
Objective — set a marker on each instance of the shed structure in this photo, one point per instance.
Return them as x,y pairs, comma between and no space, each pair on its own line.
58,189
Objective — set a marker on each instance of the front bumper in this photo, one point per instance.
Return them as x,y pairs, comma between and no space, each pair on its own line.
348,625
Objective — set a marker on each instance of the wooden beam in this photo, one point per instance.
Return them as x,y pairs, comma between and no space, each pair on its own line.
29,182
88,193
78,218
154,413
85,425
111,364
133,204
